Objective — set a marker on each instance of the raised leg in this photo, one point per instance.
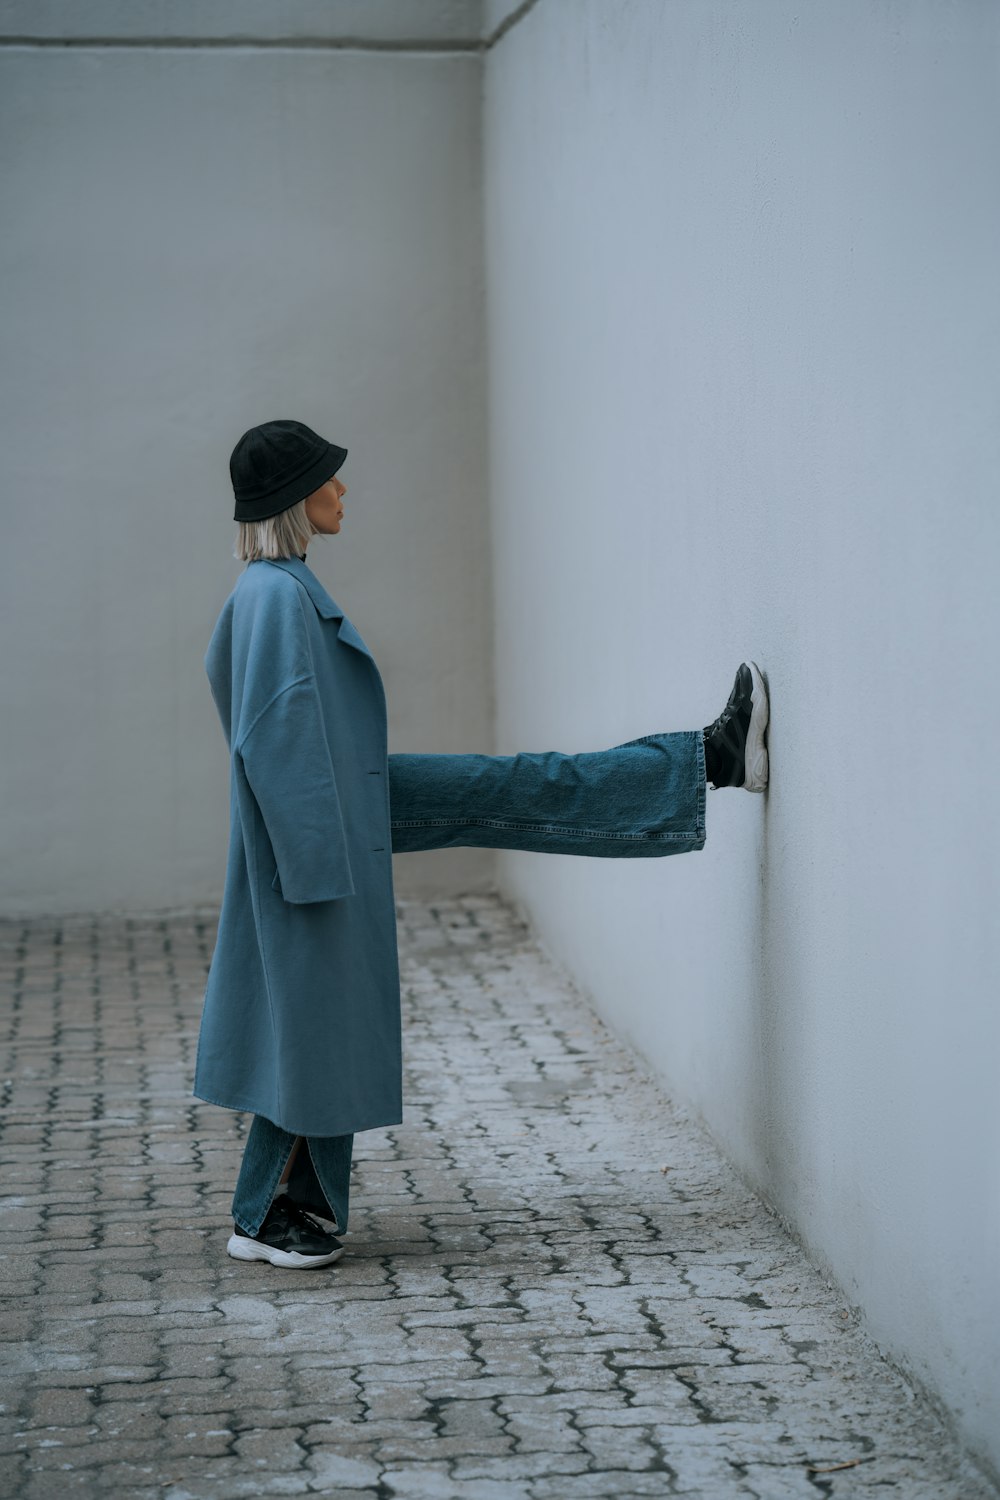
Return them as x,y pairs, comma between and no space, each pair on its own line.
642,798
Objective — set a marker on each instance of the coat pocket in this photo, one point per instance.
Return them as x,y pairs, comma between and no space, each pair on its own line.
276,882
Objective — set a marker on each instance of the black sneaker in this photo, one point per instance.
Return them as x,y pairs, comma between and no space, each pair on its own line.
289,1236
735,753
321,1211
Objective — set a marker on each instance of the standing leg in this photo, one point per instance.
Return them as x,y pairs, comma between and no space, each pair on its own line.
642,798
318,1177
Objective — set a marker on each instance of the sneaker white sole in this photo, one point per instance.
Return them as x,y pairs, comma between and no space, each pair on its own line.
756,760
241,1248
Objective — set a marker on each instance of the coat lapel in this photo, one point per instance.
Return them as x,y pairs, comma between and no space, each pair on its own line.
322,600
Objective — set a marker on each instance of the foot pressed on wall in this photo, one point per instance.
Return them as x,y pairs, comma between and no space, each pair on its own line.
735,742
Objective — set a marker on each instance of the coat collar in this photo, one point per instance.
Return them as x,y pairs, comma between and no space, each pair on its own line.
300,570
322,600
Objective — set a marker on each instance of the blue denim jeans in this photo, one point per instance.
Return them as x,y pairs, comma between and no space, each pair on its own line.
643,798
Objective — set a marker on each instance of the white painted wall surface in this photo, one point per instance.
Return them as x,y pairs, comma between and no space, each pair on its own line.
198,239
744,321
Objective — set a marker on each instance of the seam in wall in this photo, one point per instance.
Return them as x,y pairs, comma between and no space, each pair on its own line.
245,43
306,44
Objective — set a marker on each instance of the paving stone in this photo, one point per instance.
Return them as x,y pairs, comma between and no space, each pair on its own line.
336,1470
531,1307
62,1407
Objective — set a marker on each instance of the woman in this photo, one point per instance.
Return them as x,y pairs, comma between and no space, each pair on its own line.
301,1019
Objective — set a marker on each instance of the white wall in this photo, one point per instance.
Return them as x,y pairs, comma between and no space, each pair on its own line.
743,320
198,238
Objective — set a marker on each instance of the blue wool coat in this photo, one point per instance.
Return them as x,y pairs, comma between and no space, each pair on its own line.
301,1015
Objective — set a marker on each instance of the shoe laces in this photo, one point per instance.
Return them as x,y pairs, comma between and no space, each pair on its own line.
299,1214
729,730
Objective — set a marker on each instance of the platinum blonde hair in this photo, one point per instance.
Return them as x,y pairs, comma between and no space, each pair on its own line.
284,535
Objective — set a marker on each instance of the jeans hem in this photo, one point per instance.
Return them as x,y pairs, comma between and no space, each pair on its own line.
701,786
589,834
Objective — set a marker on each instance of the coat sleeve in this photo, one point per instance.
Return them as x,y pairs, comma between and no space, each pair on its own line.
287,761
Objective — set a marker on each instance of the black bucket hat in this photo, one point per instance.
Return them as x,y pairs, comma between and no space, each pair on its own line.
276,465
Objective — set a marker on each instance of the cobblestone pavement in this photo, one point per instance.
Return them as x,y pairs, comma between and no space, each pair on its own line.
554,1287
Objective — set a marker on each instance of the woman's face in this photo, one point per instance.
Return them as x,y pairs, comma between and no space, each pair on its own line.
324,506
